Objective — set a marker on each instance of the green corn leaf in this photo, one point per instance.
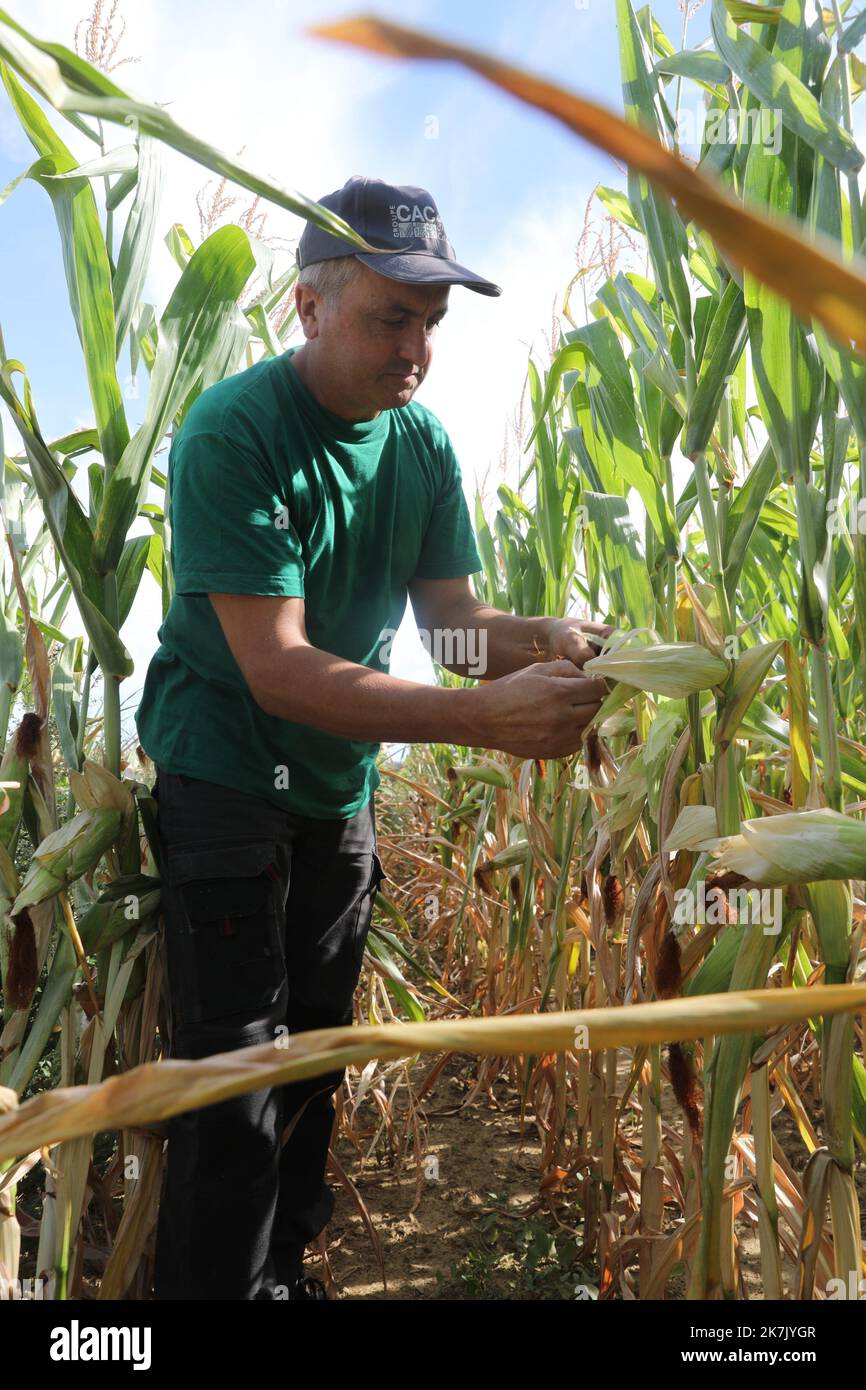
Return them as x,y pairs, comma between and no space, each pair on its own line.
55,996
662,226
614,200
137,244
800,756
14,767
613,531
825,215
82,441
609,386
11,641
63,700
120,189
787,371
729,1064
487,552
647,324
713,976
131,566
748,676
725,344
481,772
652,31
122,159
180,244
69,527
745,12
397,984
776,85
829,899
88,273
199,321
853,33
550,515
702,65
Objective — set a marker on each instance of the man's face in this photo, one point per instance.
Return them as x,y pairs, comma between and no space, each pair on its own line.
376,342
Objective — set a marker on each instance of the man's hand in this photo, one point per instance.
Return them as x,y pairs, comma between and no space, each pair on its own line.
539,712
567,639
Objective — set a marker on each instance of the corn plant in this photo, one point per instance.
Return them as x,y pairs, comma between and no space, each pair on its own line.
719,397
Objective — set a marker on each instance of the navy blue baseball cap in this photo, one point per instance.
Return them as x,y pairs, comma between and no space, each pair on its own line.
403,220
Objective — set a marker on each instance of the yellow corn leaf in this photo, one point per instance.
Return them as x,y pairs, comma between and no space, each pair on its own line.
159,1089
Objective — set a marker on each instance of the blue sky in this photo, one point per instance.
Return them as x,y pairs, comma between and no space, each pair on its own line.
494,160
511,184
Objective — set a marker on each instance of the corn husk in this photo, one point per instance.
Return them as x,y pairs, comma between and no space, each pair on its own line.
802,847
96,788
750,671
66,854
694,828
123,904
674,669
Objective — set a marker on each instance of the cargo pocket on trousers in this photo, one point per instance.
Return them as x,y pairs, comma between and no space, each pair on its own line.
233,958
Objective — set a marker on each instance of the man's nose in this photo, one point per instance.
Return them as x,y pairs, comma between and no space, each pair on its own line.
415,345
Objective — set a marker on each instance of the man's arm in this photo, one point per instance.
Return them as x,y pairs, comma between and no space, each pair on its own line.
293,680
531,714
472,639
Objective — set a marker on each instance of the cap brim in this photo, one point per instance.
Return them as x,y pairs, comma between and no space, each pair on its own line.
419,268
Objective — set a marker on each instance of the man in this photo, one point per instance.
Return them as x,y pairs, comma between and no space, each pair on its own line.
308,495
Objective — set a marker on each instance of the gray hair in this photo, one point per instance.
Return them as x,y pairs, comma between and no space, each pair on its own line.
329,278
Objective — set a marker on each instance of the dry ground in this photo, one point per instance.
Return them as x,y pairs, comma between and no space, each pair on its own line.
478,1230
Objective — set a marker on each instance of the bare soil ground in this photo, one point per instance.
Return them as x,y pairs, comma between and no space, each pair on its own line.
476,1228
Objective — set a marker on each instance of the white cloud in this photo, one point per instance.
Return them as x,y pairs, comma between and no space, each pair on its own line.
480,361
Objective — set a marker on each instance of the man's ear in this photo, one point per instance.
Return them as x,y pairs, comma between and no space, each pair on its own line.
307,307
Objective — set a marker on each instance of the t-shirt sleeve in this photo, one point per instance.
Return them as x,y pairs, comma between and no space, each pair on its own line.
448,549
230,530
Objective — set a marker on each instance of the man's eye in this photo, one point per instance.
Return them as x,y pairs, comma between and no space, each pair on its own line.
394,323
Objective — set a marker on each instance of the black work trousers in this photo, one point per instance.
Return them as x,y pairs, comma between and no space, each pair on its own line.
266,917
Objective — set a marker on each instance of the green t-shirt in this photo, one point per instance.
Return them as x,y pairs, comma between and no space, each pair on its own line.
269,493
